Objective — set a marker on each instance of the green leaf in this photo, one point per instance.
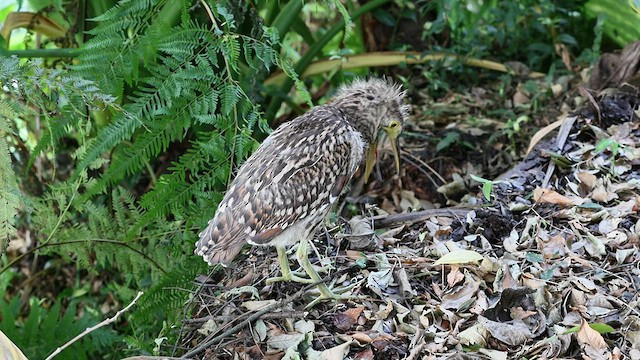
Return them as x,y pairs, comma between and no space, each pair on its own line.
602,145
487,188
534,257
450,138
599,327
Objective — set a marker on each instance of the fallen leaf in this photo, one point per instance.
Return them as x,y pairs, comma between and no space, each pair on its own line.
494,354
405,284
588,179
463,296
208,327
384,311
304,326
366,354
541,195
459,257
260,330
474,335
285,341
345,320
454,276
587,336
380,280
9,349
513,333
335,353
361,338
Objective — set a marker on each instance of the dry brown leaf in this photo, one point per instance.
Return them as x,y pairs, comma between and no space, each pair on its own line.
474,335
344,320
454,276
587,336
540,134
508,281
518,313
34,21
541,195
366,354
600,194
355,255
362,338
384,311
513,333
555,246
588,179
565,55
461,296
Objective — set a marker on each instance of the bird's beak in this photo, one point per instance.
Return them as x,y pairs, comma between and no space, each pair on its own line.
392,134
372,152
370,160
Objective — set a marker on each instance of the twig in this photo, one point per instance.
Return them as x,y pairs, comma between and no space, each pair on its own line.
269,316
384,221
93,328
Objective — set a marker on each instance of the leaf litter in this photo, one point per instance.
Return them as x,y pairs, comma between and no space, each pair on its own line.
545,267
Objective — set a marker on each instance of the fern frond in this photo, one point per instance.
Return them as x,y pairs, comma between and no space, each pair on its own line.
9,191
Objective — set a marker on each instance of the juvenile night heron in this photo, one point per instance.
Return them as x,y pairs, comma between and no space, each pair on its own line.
286,188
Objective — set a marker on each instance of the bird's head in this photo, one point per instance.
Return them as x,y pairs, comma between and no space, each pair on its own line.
374,106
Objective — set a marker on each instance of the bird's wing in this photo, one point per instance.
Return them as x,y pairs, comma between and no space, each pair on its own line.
298,171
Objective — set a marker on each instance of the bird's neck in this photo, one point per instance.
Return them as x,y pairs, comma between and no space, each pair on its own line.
361,118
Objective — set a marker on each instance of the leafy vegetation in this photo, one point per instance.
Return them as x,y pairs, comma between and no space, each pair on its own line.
117,139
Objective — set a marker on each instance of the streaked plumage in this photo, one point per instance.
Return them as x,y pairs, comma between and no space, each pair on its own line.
286,188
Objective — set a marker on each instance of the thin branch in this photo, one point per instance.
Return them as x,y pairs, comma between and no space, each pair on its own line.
268,316
94,328
384,221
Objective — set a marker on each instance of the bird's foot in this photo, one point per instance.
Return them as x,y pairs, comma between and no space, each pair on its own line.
319,269
290,276
325,293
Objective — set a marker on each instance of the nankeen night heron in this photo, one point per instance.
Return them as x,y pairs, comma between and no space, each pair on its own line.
286,188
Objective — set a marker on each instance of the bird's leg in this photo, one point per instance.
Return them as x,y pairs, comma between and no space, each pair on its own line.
287,274
318,269
325,293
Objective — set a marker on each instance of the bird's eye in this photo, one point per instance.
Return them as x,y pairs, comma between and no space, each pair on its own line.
394,124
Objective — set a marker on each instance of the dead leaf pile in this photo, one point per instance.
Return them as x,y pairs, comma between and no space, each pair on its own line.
547,268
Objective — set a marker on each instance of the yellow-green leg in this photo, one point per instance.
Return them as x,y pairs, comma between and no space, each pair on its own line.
325,293
287,274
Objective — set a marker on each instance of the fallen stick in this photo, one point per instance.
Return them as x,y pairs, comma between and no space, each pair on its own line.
384,221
